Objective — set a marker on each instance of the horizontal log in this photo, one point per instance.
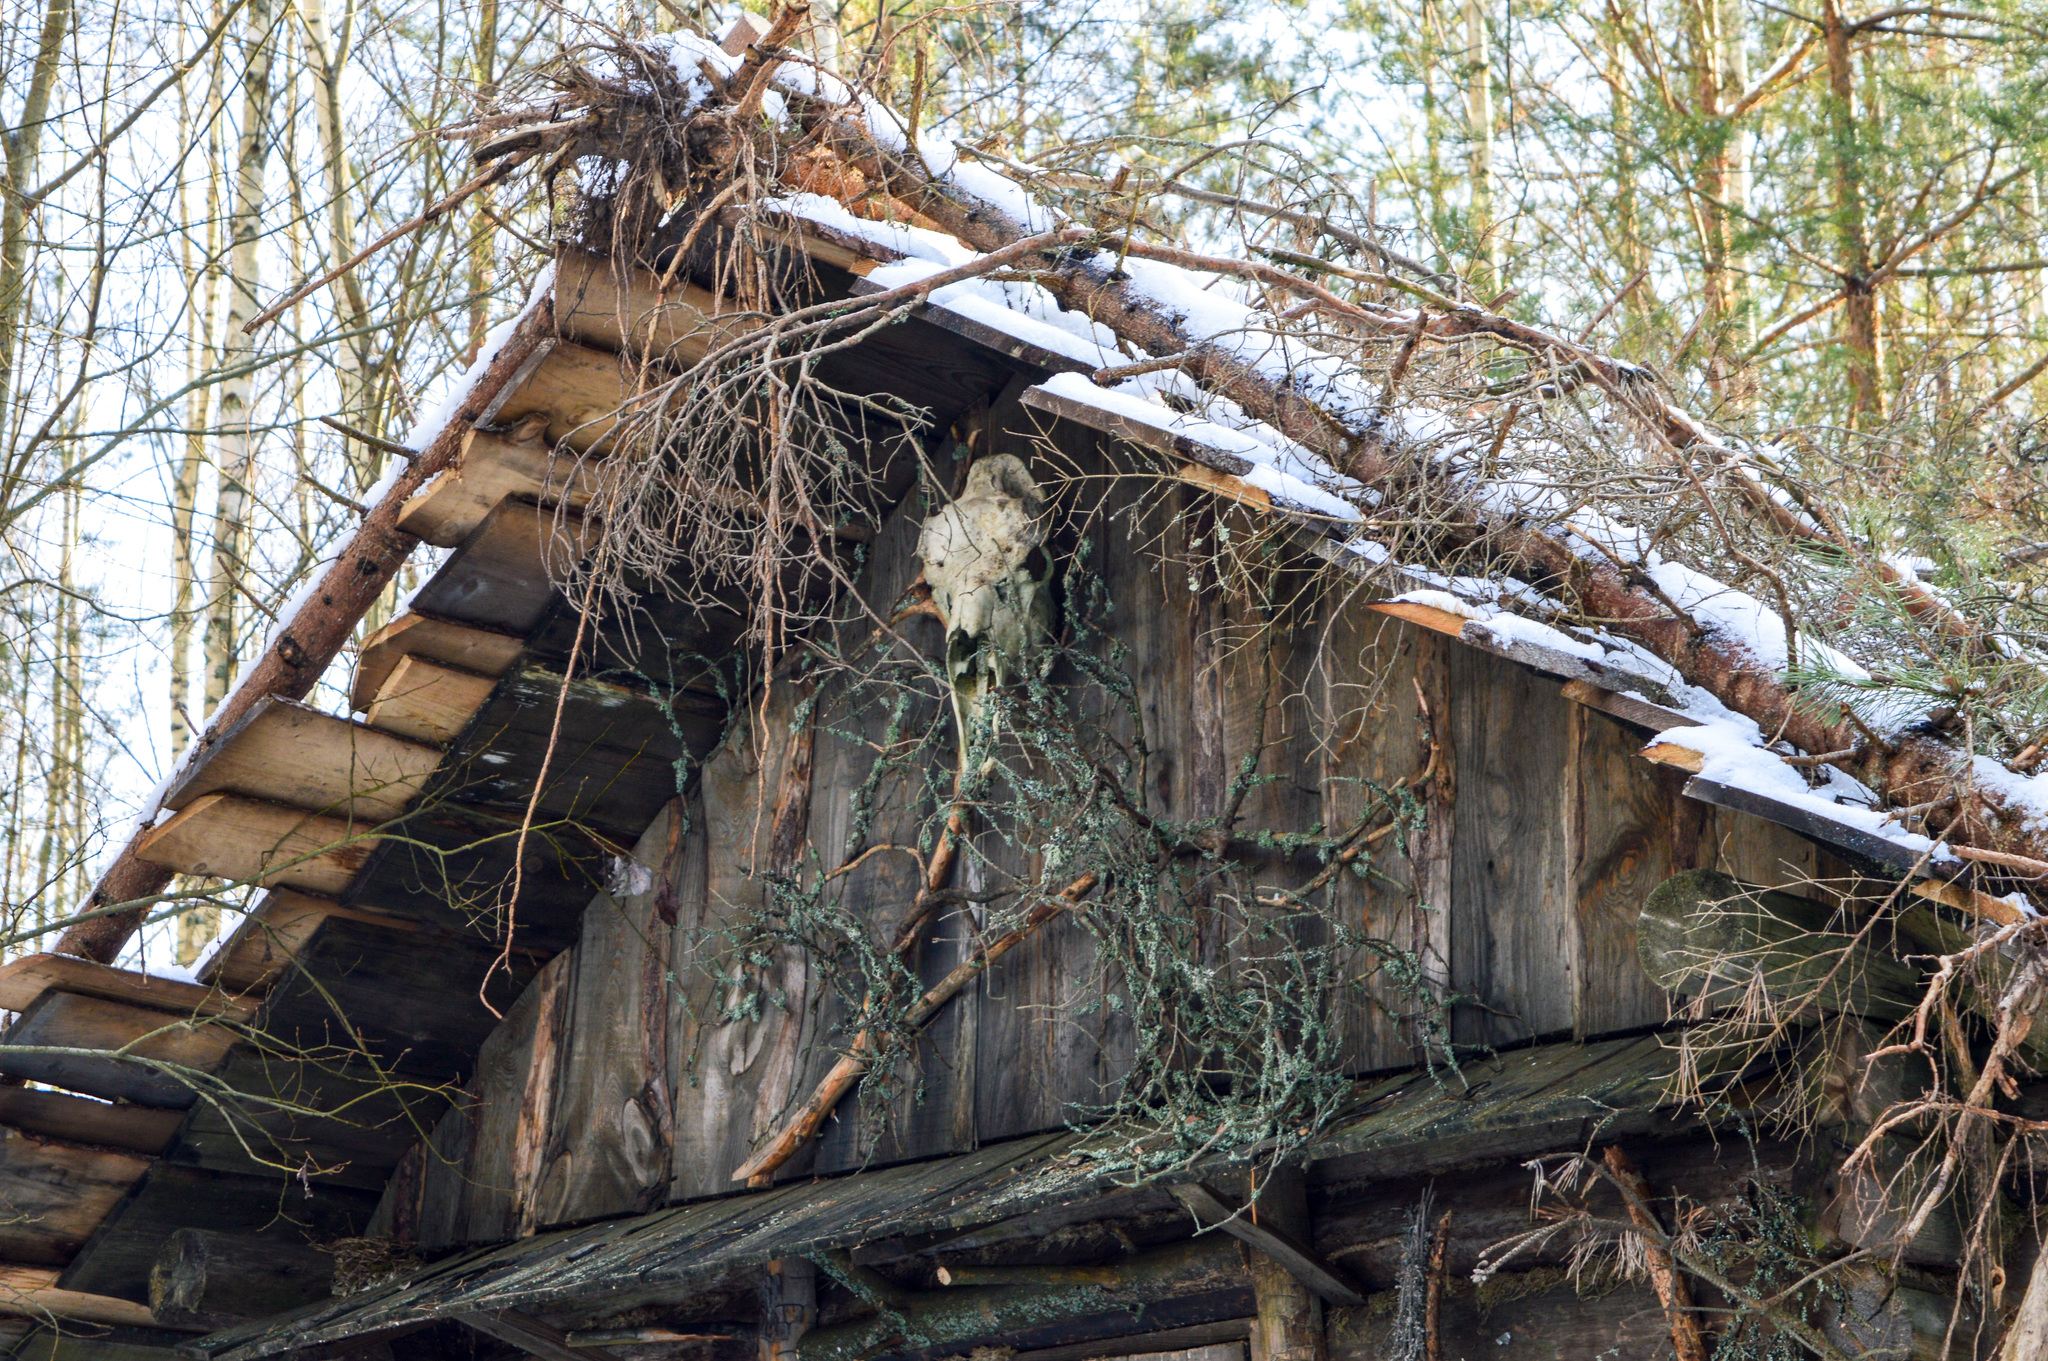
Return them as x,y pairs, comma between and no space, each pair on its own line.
1629,709
494,466
63,1021
23,980
678,325
78,1120
206,1279
1150,1344
54,1194
224,836
580,390
1702,933
954,1316
427,701
31,1292
272,935
298,756
466,648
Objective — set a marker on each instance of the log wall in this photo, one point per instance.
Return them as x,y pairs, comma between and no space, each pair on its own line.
629,1074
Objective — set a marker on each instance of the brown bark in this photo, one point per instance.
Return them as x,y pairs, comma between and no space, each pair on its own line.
1686,1338
1859,308
309,640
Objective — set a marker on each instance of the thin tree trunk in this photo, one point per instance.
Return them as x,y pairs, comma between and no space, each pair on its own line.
202,292
327,54
1859,310
23,146
1479,129
236,465
481,231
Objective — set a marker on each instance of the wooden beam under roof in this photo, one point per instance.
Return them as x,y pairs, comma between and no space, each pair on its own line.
25,979
463,646
225,836
677,325
426,701
45,1046
579,389
271,937
491,467
80,1120
31,1292
55,1194
295,755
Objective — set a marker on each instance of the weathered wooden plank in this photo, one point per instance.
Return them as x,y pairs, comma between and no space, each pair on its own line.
580,390
225,836
426,701
503,576
53,1195
60,1020
466,648
25,979
266,941
1366,710
1513,914
1622,816
742,1025
375,1119
1297,1258
202,1278
79,1120
452,867
33,1292
1199,1342
117,1260
491,467
611,766
423,1012
930,1105
678,325
608,1142
293,754
1047,1041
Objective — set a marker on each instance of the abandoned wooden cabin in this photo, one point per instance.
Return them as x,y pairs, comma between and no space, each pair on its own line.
1103,922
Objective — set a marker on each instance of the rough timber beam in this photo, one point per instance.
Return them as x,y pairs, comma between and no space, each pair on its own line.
31,1292
224,836
68,1024
534,1336
493,466
294,755
466,648
272,935
426,701
23,980
1299,1260
677,325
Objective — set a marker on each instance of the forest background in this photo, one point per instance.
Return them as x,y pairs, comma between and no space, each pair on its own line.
1822,225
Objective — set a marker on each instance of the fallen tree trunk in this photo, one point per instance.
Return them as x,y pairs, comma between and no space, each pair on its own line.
306,643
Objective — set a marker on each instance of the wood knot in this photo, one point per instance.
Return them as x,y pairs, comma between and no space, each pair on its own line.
288,648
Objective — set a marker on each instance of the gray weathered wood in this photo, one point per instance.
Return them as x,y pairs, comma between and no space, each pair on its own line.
213,1279
535,1337
1212,1211
1706,935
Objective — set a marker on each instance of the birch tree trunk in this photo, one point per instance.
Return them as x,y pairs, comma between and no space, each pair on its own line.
23,145
236,463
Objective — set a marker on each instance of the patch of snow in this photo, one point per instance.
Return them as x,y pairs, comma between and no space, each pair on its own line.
1266,471
1732,754
1514,627
1445,601
2025,794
